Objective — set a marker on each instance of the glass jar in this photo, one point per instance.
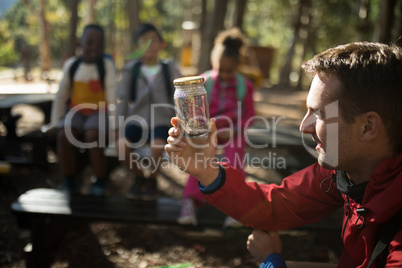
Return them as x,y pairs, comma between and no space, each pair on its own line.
191,103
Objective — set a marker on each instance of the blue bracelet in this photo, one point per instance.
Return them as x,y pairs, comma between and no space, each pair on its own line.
216,184
274,260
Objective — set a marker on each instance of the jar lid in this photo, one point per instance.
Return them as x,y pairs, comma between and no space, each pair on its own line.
188,80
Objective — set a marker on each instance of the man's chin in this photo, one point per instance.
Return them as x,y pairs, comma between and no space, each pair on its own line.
328,162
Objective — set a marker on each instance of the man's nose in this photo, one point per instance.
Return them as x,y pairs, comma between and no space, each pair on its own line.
307,125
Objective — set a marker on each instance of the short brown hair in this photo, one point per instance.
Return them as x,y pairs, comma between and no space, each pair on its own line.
371,77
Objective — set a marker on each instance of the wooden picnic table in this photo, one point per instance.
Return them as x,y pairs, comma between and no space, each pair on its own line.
8,101
11,150
49,214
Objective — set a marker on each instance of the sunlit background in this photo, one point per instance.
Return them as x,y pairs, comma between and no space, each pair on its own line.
282,33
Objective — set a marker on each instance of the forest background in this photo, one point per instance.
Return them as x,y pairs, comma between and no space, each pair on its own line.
42,34
291,30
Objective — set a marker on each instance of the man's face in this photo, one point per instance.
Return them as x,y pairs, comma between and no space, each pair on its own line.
336,139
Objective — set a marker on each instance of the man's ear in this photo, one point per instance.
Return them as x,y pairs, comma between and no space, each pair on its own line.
370,126
163,45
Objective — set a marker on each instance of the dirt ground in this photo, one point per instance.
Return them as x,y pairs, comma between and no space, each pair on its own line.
103,244
127,245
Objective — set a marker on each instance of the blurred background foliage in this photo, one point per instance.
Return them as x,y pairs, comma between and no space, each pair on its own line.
294,29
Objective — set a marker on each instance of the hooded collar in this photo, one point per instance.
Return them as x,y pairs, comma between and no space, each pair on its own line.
346,186
382,178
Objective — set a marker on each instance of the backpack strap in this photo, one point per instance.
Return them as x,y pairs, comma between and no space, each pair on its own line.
241,86
166,75
101,71
209,83
386,233
168,82
134,75
73,69
71,72
100,65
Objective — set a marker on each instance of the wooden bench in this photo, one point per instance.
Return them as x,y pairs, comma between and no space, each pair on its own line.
10,144
7,102
50,213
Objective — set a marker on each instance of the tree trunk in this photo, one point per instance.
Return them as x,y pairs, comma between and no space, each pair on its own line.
44,47
203,21
73,28
386,20
203,56
240,8
214,25
305,36
399,26
112,33
365,26
91,18
287,67
133,8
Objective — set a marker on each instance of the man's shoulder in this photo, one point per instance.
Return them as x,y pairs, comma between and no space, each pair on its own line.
318,171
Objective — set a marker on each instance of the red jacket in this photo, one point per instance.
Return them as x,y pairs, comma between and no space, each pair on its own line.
300,200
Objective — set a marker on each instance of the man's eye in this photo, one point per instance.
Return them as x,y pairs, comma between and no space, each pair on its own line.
317,113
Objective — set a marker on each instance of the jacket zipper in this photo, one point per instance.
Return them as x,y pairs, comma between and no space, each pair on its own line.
347,213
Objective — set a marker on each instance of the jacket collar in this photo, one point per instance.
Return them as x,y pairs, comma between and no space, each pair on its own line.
346,186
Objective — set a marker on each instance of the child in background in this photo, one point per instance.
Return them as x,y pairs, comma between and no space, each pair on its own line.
86,90
146,92
231,103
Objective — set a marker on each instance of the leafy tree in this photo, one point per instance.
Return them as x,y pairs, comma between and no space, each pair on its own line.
72,44
8,54
215,24
14,34
387,20
266,23
44,45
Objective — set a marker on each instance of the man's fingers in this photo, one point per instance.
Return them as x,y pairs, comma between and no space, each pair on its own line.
175,121
174,132
250,237
212,124
277,242
257,232
172,149
176,142
171,131
249,240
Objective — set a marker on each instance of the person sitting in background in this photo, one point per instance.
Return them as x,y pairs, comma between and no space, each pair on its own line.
80,110
146,92
231,103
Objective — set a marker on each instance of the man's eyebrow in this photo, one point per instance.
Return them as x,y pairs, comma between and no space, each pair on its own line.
317,110
313,109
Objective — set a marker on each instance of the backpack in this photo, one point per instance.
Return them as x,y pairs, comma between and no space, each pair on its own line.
99,64
386,233
166,74
241,86
101,71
